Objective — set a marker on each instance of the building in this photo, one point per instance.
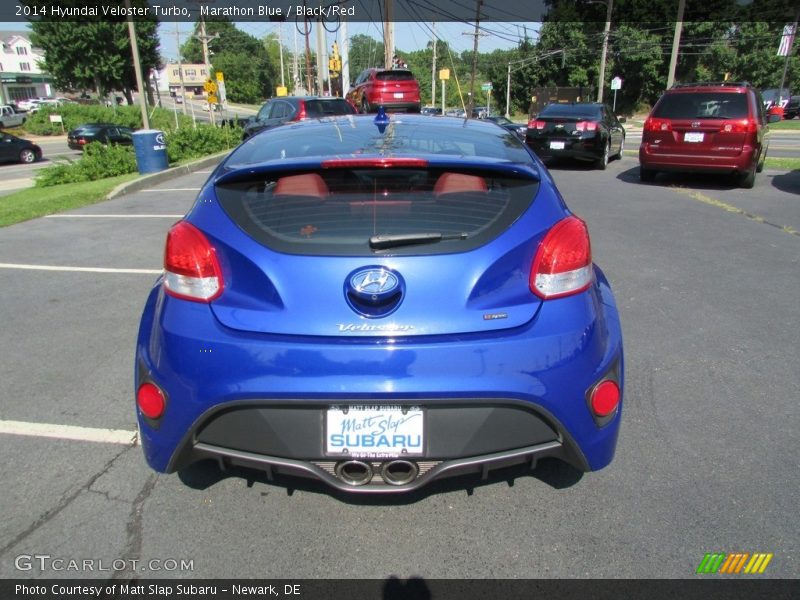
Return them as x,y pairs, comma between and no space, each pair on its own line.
194,77
20,75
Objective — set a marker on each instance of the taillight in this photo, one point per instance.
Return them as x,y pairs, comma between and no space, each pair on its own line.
653,124
150,400
536,124
563,262
378,162
81,141
301,111
739,126
191,265
586,126
604,398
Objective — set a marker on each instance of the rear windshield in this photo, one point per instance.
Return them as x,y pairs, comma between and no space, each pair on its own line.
328,107
340,210
702,105
395,75
582,111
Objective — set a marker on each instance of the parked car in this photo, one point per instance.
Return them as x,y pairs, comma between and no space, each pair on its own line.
14,149
105,133
9,117
587,131
287,109
397,90
519,129
378,305
792,108
431,111
707,128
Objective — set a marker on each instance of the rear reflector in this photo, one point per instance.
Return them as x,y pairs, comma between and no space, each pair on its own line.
150,400
192,271
378,161
605,398
563,262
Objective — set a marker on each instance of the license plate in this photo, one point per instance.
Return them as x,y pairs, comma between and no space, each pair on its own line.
556,145
693,136
398,94
374,431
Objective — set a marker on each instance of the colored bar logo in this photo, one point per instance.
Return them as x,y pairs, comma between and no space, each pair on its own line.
734,563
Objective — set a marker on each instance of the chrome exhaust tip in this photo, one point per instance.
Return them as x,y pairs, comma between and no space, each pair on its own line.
354,472
399,472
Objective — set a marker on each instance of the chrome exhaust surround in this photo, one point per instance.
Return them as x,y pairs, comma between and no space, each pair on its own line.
354,472
399,472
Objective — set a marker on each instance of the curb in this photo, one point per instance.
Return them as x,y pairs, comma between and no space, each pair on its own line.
146,181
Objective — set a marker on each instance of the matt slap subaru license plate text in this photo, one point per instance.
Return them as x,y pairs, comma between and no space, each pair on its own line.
374,431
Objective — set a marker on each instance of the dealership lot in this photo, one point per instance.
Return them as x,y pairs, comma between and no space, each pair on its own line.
707,277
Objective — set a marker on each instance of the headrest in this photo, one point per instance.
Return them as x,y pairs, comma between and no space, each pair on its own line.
449,183
308,184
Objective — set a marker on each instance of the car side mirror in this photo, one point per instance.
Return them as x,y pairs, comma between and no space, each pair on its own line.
773,118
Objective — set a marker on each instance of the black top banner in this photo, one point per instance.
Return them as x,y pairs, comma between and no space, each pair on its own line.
398,10
394,588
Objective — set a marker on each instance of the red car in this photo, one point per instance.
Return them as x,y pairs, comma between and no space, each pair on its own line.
707,128
396,90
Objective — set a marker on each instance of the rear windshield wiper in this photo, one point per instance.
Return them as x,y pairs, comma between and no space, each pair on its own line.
381,242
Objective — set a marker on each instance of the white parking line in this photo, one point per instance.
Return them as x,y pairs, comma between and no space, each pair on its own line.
197,189
114,216
79,269
70,432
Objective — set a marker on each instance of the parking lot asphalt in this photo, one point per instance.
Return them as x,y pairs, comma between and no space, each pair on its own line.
706,277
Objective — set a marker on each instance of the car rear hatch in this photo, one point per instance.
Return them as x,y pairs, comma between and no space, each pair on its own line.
700,124
327,107
359,249
395,86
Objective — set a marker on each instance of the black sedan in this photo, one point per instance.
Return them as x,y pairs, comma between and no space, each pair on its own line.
584,131
517,128
105,133
14,149
287,109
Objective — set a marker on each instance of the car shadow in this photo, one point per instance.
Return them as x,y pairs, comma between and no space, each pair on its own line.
788,182
697,181
207,473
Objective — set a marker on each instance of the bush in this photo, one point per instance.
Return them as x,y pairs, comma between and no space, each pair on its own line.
73,115
98,162
190,142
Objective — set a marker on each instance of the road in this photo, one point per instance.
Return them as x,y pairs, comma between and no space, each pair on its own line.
706,277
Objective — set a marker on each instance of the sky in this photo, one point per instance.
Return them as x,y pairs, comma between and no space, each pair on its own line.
408,36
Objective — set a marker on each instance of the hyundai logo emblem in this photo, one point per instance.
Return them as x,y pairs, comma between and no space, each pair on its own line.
375,282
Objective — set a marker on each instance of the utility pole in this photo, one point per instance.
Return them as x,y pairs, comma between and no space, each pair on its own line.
295,66
345,49
676,41
604,52
280,48
320,53
307,32
433,69
388,34
137,67
788,55
477,34
180,67
204,39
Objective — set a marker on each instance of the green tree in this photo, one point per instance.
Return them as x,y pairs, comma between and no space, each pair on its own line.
365,52
95,53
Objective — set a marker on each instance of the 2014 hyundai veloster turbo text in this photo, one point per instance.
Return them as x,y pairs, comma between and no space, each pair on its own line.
376,303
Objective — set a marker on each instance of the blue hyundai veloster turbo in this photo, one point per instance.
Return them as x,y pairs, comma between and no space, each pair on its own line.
377,303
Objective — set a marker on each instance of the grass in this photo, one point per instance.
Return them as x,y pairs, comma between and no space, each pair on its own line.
782,164
37,202
790,125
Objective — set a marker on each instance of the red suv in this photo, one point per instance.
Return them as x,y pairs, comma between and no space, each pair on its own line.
394,89
706,127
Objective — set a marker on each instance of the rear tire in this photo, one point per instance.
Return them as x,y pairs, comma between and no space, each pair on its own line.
647,175
27,156
747,179
761,161
602,162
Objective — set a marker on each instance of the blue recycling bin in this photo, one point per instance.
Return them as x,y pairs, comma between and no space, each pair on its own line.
151,150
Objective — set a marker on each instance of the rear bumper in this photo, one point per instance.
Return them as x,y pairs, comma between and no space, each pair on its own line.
654,159
578,148
491,400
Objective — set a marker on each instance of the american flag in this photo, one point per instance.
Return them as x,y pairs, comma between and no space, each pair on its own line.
787,39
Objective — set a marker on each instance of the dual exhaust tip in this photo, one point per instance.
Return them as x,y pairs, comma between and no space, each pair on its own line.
395,472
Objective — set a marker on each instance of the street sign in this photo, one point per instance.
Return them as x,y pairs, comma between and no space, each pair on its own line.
486,87
220,76
281,91
212,99
444,74
616,83
210,86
